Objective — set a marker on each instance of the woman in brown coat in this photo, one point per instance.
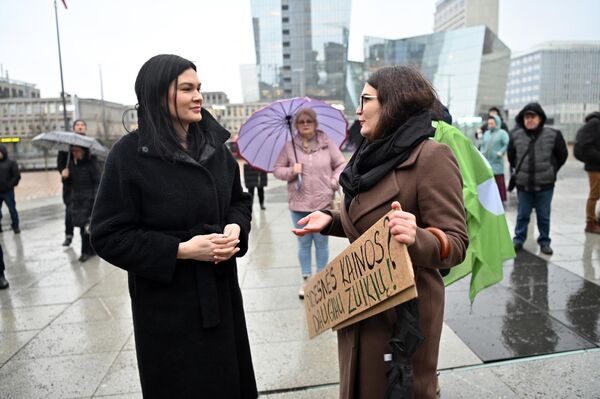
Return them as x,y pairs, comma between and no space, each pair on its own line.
398,166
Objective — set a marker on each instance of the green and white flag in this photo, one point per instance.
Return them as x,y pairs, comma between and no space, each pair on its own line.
490,243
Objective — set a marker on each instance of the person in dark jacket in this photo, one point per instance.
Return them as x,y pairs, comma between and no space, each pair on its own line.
256,178
9,178
83,177
62,160
587,150
171,211
538,152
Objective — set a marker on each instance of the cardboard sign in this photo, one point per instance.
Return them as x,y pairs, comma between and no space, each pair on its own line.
372,275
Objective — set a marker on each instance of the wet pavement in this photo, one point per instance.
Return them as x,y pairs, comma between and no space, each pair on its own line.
537,309
66,330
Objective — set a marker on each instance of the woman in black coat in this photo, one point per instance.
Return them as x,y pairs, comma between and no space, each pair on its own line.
83,176
172,212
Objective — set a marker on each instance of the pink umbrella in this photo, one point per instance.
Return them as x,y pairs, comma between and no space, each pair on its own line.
264,134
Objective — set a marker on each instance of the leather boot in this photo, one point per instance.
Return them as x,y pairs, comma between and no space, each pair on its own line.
591,227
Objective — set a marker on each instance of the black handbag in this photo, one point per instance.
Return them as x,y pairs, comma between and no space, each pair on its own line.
512,183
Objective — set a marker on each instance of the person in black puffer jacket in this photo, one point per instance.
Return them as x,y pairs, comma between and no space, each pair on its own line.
538,152
587,150
83,178
9,178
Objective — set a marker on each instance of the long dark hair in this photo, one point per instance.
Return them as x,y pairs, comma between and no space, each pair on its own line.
152,91
402,92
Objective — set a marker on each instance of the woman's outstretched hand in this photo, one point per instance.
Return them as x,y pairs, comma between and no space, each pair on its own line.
403,225
313,223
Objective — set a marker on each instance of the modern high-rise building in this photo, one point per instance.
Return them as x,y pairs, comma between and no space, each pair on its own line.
564,77
468,67
456,14
301,49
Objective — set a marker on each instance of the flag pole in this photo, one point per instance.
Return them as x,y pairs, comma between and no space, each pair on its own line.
62,84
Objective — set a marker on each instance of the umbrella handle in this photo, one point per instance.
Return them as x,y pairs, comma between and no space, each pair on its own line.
299,182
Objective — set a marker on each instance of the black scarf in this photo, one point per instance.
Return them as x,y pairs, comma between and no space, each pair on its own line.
373,160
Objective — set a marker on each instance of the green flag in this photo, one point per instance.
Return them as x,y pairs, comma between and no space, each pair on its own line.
490,243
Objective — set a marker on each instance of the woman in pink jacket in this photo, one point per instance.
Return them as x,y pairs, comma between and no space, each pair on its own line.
312,181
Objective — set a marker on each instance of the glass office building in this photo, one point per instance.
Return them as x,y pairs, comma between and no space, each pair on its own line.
564,77
468,67
301,48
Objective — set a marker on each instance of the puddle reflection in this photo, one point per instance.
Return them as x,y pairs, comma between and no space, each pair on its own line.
529,282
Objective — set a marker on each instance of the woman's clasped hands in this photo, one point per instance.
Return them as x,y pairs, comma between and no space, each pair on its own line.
212,247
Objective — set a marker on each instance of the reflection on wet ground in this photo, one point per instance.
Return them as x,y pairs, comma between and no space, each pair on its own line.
538,308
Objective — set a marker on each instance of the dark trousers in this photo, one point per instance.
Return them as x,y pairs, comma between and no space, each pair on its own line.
86,246
9,198
1,261
261,194
501,186
68,222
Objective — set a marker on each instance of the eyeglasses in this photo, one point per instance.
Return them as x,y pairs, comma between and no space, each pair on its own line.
362,100
305,122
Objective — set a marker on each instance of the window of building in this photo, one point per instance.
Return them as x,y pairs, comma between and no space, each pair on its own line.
284,7
285,20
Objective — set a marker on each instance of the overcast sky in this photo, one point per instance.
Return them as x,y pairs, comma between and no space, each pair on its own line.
120,35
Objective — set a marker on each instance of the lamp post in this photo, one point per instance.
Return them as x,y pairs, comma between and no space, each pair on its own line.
62,84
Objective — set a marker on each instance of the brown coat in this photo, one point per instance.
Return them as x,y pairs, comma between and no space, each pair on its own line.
428,184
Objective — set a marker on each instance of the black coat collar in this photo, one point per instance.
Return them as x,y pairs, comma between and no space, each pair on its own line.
216,135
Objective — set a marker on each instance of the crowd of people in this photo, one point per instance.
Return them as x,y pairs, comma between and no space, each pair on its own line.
169,207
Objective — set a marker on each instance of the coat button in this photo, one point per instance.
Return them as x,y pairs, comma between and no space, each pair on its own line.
144,149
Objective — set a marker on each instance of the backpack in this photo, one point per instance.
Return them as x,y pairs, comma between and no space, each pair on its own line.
578,151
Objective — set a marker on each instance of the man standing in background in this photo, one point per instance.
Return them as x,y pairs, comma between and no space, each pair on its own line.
537,153
587,150
79,127
9,178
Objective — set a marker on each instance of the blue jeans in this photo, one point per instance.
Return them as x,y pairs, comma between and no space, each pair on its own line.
9,198
541,201
305,247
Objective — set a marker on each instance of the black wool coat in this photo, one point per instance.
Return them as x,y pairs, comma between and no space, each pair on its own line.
254,177
83,180
188,316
